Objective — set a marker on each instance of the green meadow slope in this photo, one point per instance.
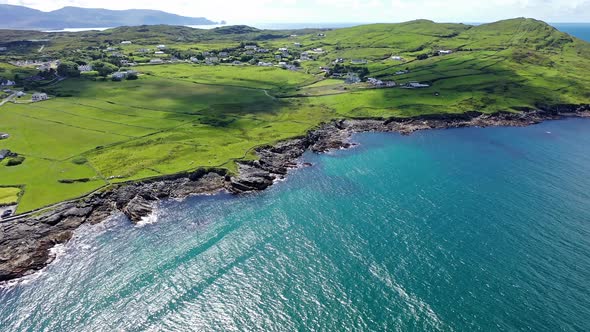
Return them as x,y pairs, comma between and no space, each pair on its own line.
182,116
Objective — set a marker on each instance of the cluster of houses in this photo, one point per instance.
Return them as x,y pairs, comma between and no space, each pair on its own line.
5,82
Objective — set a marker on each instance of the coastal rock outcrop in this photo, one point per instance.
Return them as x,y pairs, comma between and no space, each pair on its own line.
26,240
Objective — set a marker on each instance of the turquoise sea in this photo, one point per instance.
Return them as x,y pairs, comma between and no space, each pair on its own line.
473,229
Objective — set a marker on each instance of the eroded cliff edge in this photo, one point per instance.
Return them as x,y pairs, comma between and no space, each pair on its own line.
25,241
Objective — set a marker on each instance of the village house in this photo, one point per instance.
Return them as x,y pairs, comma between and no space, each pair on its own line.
262,50
20,94
4,153
415,85
443,52
358,61
39,97
249,52
126,42
85,68
396,58
297,44
123,63
305,57
250,47
144,50
161,47
156,61
211,60
236,62
223,54
321,35
318,50
193,59
352,78
264,64
159,52
339,60
278,57
110,49
119,76
4,136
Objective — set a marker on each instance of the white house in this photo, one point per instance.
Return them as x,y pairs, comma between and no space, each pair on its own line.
85,68
262,50
442,52
7,82
251,47
396,58
20,94
156,61
161,47
159,52
39,97
4,135
110,49
126,42
264,64
223,54
193,59
414,85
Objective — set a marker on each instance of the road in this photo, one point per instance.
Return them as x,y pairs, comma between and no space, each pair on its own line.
7,99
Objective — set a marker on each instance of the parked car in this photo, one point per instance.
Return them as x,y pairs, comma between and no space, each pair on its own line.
6,214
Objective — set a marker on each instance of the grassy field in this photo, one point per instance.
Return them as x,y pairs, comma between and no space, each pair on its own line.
179,117
8,195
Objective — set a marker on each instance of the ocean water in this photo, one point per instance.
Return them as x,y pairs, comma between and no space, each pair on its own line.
474,229
579,30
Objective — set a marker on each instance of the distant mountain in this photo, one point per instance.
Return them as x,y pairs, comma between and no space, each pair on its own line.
19,17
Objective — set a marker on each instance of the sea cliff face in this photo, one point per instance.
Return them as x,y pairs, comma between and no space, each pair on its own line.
25,241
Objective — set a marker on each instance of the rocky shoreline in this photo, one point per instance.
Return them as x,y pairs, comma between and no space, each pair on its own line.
25,242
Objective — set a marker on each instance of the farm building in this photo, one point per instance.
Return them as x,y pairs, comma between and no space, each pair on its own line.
39,96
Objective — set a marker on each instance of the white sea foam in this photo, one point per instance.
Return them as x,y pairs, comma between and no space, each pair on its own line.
152,218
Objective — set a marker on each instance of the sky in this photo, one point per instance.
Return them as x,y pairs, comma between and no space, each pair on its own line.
349,11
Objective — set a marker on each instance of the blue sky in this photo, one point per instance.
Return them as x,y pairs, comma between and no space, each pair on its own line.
302,11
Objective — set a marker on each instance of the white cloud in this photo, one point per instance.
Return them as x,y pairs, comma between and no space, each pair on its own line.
239,11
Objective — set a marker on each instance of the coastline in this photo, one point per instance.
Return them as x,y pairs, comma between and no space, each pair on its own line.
26,242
